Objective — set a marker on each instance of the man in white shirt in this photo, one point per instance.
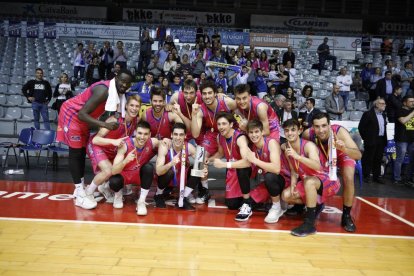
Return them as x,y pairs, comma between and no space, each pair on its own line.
344,82
242,76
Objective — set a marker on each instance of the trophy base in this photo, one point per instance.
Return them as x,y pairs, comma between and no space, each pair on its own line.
197,173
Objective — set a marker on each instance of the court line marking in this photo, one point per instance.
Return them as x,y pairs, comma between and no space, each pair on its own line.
201,227
386,211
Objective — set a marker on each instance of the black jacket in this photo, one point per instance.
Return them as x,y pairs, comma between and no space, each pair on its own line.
369,128
40,90
381,88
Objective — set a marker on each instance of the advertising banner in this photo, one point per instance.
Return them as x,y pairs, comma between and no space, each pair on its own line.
269,40
98,31
234,38
49,30
32,29
311,43
15,29
184,35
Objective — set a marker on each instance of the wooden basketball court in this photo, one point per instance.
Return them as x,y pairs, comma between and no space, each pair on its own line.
42,232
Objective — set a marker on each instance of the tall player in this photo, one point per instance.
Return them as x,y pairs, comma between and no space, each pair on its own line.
160,120
254,108
169,167
204,123
77,115
102,147
132,165
309,184
347,152
266,166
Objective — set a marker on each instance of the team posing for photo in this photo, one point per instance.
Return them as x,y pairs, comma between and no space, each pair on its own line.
301,171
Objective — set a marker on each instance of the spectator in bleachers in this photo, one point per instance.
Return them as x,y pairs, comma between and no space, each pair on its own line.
385,86
407,77
274,58
155,67
242,76
324,55
260,83
386,46
241,49
271,95
357,83
146,42
307,92
169,40
373,130
163,53
120,55
221,80
389,66
366,74
344,81
264,62
289,56
290,95
114,71
63,91
207,51
201,79
143,88
394,103
278,102
307,117
199,65
239,59
106,53
404,139
334,104
177,57
184,65
90,53
284,78
230,55
251,56
79,62
92,73
292,73
39,93
170,65
285,114
166,87
373,83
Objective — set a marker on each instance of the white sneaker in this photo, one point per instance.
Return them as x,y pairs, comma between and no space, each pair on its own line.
191,199
127,190
85,201
107,192
273,215
118,200
141,208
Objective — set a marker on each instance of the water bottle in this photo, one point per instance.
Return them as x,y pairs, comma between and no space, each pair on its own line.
9,172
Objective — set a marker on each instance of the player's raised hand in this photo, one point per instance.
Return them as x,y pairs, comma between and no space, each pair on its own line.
176,159
290,152
119,142
111,125
196,108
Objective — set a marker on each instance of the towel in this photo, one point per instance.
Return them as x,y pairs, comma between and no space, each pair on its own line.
115,102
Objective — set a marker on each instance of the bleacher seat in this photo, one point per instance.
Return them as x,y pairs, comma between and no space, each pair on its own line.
360,106
8,122
3,99
351,95
355,115
14,100
350,106
4,88
15,89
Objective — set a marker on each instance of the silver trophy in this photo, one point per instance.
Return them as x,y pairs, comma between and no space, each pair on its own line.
199,160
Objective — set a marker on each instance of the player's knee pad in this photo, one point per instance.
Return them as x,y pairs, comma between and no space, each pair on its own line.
116,182
274,183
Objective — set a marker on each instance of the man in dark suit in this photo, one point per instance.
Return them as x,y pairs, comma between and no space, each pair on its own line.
284,114
307,117
385,86
373,130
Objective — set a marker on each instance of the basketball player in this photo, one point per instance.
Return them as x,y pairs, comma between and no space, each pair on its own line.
347,152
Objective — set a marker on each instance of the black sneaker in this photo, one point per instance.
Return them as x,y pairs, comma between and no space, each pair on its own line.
203,196
160,201
304,230
347,223
319,209
244,213
187,205
297,209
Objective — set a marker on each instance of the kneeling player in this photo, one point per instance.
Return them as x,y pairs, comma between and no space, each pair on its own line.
323,134
132,165
266,166
309,183
169,166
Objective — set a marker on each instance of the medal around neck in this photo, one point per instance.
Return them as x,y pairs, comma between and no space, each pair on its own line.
199,161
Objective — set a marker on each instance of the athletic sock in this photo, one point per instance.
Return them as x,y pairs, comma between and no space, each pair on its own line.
187,191
91,188
159,191
347,210
143,195
204,183
276,205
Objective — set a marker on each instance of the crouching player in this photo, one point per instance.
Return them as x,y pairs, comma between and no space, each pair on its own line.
102,147
169,168
347,151
310,185
132,166
264,157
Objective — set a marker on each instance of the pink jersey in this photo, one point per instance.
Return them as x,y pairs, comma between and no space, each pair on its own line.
232,153
262,154
271,116
343,160
330,188
131,171
160,128
285,169
177,167
209,120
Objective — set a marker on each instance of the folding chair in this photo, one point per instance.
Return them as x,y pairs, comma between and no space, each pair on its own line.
41,139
